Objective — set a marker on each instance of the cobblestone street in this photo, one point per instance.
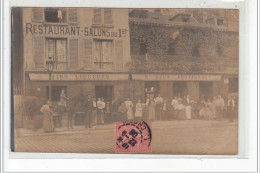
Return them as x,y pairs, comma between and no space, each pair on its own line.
178,137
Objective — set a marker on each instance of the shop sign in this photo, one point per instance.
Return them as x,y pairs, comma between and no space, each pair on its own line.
165,77
78,77
72,30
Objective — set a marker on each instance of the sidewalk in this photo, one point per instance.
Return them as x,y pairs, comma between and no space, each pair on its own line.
156,125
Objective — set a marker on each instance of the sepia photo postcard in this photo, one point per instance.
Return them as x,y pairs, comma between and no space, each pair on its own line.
121,80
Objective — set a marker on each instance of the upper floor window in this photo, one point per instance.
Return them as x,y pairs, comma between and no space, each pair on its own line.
143,49
220,21
55,15
103,16
195,51
219,50
103,54
57,50
185,19
171,49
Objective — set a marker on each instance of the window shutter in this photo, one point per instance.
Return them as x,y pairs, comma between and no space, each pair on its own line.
97,16
72,15
37,14
87,60
73,53
38,52
108,16
119,59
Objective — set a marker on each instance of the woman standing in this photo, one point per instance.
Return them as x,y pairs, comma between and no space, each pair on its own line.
48,125
139,111
129,107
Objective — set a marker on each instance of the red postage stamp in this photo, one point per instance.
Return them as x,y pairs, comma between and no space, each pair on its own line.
134,137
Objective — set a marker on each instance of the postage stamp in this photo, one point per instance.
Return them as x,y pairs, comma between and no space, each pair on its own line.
133,137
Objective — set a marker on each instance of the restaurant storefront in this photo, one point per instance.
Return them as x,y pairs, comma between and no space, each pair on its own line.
169,86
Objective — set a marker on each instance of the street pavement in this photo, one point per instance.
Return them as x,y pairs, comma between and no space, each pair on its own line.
169,137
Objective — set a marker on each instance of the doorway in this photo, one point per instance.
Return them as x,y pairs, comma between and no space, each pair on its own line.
55,92
206,90
104,91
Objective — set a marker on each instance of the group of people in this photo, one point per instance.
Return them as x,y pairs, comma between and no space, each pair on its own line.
100,111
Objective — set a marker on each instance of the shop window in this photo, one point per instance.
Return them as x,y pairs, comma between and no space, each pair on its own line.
233,85
151,88
220,21
103,54
55,15
143,49
179,89
171,49
57,50
103,16
55,92
195,51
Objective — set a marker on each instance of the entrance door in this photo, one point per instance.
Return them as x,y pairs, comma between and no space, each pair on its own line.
104,91
179,89
206,90
55,92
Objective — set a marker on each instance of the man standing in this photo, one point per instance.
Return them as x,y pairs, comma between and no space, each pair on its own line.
88,112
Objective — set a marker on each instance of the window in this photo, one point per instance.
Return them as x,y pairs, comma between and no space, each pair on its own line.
143,49
185,19
195,51
57,49
220,21
103,16
103,54
219,50
171,49
55,15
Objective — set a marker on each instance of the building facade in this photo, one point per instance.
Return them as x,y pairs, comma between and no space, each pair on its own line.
90,48
188,53
116,53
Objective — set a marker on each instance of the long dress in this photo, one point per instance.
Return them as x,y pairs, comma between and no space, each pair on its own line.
129,108
139,111
48,125
151,110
